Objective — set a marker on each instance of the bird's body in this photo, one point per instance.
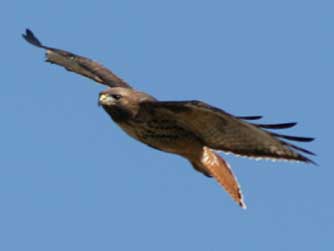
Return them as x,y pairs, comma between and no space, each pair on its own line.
191,129
160,133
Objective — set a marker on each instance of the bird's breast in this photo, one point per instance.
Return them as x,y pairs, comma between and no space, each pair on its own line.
165,135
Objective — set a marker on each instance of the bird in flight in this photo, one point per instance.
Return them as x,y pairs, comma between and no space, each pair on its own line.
191,129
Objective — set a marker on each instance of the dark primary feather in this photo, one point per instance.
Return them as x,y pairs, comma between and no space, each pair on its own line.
249,117
276,126
30,38
298,148
222,131
293,138
78,64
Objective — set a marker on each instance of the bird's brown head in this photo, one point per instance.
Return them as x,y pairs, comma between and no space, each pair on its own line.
122,103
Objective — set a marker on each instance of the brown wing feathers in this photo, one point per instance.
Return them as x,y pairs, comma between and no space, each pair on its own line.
222,131
78,64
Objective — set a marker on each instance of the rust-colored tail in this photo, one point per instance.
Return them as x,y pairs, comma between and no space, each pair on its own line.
214,165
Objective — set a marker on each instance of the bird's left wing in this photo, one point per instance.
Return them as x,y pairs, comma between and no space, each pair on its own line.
220,130
78,64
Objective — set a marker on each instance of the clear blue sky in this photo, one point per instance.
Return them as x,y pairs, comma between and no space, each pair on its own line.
70,179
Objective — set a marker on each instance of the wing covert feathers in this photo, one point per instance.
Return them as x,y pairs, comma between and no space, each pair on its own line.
221,171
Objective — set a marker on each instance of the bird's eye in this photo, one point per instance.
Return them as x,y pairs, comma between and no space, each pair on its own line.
116,96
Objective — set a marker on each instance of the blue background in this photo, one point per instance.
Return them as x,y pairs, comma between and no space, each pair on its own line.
70,179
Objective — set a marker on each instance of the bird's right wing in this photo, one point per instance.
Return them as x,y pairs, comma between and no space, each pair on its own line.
220,130
78,64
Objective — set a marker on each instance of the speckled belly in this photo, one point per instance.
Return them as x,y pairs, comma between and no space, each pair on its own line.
164,135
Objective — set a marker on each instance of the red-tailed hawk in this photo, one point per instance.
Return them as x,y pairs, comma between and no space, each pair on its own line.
191,129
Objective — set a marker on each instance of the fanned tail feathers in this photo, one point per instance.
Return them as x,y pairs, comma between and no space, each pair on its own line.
214,165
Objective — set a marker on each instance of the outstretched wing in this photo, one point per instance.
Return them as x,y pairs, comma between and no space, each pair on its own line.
222,131
78,64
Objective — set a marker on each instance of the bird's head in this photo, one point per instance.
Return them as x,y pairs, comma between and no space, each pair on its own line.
112,96
120,102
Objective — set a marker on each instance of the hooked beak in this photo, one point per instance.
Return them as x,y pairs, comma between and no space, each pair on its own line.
105,99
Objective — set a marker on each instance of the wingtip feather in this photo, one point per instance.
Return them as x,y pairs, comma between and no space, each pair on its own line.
293,138
249,117
277,126
32,39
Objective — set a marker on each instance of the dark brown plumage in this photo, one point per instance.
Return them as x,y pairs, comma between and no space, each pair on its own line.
191,129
